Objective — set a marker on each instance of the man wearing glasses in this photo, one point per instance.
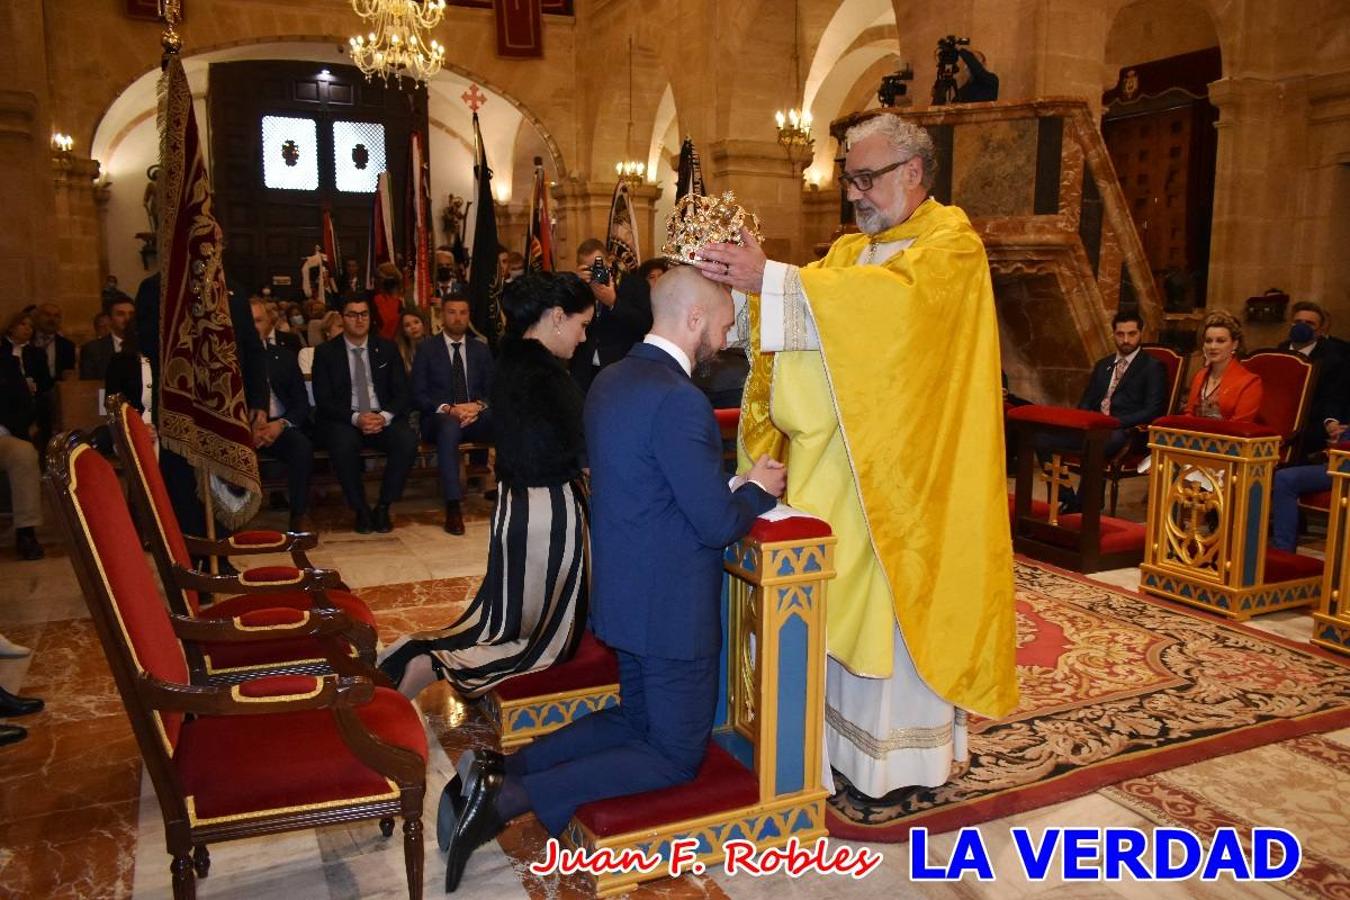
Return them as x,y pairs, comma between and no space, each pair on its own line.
362,398
883,359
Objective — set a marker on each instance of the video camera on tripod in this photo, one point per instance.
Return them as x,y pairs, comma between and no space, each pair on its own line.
948,63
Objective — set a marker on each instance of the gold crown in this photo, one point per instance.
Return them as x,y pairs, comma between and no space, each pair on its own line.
700,219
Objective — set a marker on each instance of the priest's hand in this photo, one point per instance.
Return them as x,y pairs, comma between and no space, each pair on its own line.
740,266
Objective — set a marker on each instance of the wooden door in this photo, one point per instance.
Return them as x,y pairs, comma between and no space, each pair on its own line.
323,125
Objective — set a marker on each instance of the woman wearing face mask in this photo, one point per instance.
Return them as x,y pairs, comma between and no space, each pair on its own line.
412,330
388,301
531,608
1224,388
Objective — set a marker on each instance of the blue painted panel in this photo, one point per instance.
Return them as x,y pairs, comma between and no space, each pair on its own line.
720,717
737,745
791,739
1255,522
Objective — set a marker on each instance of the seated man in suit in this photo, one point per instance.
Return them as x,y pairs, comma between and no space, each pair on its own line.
662,513
1293,482
94,356
623,313
283,436
362,399
1129,384
1331,358
18,456
451,378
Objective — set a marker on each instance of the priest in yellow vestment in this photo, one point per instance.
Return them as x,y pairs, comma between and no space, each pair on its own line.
876,370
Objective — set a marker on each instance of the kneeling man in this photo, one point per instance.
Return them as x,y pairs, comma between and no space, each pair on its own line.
661,514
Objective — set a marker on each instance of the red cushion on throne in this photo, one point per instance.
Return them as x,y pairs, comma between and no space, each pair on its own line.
1284,566
1215,426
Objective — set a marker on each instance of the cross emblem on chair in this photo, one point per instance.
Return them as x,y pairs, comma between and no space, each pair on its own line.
473,98
1056,474
1192,504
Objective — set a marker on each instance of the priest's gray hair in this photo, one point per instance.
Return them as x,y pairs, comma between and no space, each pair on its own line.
907,139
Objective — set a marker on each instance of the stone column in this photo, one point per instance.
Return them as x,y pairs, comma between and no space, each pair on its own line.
820,217
26,240
767,184
583,212
77,240
1261,127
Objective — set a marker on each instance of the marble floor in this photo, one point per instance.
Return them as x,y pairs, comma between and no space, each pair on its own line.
78,817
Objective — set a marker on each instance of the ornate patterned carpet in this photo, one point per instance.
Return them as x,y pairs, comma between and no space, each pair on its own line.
1115,686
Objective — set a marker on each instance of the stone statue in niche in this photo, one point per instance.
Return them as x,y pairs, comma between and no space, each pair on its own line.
150,200
453,216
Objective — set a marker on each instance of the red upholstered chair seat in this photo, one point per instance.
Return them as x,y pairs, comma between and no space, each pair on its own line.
593,665
722,783
1320,500
249,765
1062,417
268,653
1039,508
1284,566
1117,535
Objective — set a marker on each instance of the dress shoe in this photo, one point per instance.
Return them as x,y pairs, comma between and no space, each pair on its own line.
12,734
301,524
380,519
468,771
26,543
478,824
454,517
363,523
11,705
11,650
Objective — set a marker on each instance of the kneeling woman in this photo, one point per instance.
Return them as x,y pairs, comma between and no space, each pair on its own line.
531,608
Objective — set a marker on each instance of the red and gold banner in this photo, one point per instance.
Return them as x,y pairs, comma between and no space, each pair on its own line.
520,29
203,415
416,221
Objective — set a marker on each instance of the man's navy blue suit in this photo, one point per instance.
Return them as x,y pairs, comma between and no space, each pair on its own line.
432,385
661,514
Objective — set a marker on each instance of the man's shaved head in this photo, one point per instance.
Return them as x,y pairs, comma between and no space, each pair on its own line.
692,312
679,290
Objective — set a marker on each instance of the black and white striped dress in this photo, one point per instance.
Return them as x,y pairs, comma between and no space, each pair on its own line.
531,608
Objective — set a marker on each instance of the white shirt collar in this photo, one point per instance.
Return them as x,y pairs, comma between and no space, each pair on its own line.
1130,358
657,341
451,341
351,346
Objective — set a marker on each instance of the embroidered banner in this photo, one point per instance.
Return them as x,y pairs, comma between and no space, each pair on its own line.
203,415
520,31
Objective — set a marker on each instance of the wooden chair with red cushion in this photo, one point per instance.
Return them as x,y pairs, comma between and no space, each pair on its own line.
1124,465
300,587
1286,392
266,755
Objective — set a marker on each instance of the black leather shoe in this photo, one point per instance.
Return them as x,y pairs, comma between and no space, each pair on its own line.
12,734
363,524
454,517
380,519
11,705
478,825
459,788
448,811
26,544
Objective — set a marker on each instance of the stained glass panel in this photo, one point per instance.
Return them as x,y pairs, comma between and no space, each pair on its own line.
358,155
290,153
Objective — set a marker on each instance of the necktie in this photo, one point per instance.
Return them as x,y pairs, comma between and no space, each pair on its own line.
1119,370
459,386
362,381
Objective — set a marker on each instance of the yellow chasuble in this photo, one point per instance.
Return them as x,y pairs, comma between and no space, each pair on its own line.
893,433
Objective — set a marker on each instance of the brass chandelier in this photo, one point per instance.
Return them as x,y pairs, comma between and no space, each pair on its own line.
397,44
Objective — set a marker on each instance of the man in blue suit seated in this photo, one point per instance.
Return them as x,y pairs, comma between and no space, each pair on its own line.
662,511
451,379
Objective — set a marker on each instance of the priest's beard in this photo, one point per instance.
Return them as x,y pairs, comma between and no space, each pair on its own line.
870,219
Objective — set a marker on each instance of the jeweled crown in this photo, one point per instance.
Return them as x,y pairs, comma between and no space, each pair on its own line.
700,219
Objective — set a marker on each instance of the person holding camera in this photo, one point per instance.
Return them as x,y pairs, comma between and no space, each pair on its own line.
974,82
623,313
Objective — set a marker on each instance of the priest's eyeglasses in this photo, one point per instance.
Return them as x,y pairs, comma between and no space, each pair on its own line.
863,180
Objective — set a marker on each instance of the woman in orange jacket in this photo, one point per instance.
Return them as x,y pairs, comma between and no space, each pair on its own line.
1224,388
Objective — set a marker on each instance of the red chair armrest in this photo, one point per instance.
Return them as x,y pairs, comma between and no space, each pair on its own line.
269,694
263,625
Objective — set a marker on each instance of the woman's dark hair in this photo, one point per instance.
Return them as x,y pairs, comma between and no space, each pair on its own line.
526,299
